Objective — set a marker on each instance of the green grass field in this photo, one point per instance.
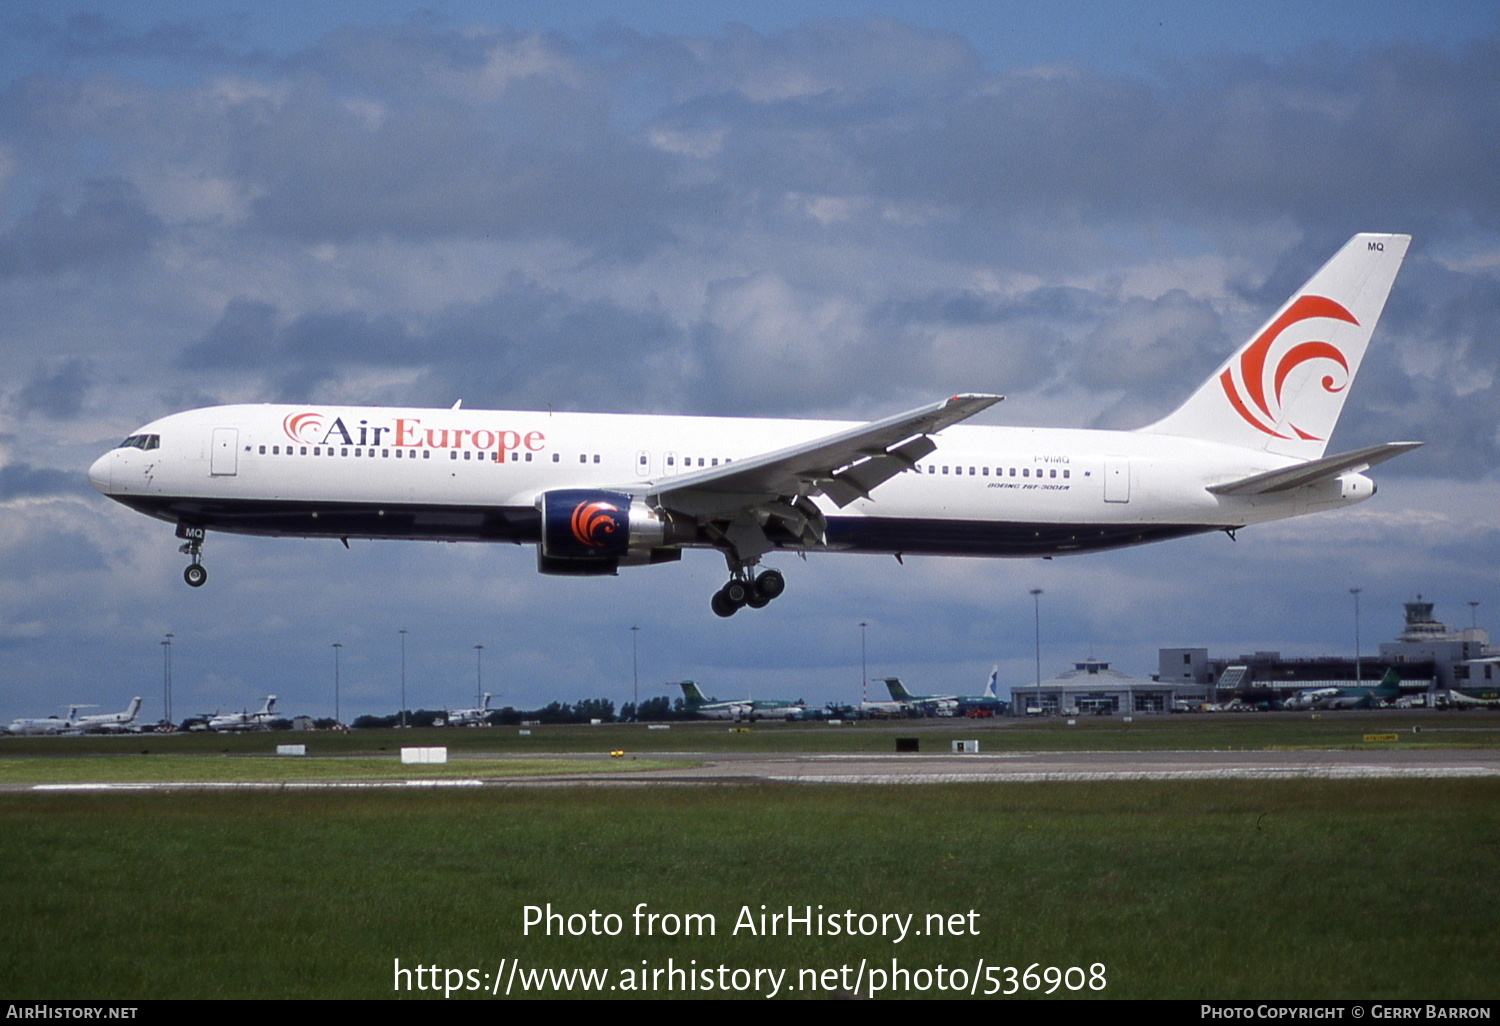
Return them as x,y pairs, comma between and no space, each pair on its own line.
1215,889
1228,889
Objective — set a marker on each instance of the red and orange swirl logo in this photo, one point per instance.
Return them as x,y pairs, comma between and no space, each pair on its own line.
595,523
1256,393
295,424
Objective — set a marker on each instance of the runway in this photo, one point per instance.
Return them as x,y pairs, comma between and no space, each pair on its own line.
708,769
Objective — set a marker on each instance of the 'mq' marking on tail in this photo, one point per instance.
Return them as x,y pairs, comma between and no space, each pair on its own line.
1283,391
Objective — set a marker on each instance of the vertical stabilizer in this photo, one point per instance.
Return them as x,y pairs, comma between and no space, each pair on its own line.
898,690
1285,388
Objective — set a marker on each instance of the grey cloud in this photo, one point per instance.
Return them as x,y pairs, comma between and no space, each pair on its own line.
56,390
1145,344
90,35
110,222
525,345
300,356
1433,373
22,480
534,346
1324,137
441,143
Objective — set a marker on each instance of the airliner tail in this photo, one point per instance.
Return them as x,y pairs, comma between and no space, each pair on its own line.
1284,389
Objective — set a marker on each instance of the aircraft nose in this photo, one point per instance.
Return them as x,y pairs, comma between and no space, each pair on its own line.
101,474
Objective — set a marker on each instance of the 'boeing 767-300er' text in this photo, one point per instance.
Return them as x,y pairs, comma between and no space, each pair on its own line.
595,492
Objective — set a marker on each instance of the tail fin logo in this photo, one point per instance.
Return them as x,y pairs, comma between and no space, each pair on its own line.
1255,393
595,523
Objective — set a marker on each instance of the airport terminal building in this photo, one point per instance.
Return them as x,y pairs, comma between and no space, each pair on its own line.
1428,655
1091,687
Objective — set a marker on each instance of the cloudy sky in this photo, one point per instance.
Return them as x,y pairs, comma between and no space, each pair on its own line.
813,209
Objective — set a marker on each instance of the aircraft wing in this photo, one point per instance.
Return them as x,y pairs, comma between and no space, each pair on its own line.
844,466
1314,470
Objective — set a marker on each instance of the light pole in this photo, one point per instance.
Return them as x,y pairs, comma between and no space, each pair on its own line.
402,632
478,676
166,678
1358,672
864,669
635,671
336,647
1036,601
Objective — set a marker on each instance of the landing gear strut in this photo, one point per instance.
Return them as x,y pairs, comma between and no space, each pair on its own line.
196,573
745,590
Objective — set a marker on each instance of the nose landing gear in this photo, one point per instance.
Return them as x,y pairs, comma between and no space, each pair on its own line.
196,573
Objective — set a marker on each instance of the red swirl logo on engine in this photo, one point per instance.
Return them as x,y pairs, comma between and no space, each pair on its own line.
1256,393
595,523
296,424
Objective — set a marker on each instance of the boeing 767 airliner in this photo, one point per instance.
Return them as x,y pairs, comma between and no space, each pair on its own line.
595,492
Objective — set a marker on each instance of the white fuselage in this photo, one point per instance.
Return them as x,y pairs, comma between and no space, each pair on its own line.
477,475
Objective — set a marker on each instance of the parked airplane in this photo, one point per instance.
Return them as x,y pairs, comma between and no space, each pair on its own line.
738,709
595,492
111,723
470,717
1488,698
1384,693
45,725
259,720
946,705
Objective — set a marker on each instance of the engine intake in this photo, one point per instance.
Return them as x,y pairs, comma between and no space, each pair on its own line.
587,531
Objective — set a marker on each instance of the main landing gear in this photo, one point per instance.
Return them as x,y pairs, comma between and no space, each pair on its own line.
745,590
196,573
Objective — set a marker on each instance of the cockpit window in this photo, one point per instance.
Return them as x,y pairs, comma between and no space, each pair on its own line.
141,442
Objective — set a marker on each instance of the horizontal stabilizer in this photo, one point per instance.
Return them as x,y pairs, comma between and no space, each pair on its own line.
1314,471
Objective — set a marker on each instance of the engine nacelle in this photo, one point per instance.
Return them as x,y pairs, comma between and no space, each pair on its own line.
586,531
